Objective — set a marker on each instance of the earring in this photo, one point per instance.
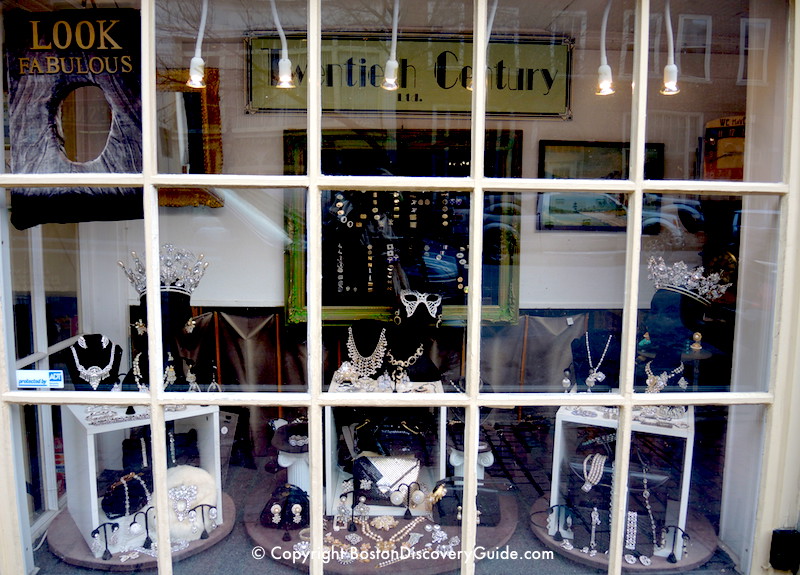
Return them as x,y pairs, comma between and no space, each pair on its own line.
296,510
340,518
362,509
696,338
140,327
193,520
397,317
458,513
478,517
397,497
276,513
190,325
566,382
439,321
417,498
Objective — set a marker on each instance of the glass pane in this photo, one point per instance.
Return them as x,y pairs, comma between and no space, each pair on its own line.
382,466
553,291
525,462
58,120
708,329
216,463
20,261
61,249
223,318
250,68
392,69
554,73
714,70
684,464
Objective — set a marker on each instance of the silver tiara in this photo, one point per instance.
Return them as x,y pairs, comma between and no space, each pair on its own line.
687,281
180,270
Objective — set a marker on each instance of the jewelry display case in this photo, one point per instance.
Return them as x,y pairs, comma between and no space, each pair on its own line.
83,461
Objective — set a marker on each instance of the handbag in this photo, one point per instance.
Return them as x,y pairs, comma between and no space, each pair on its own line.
390,437
286,509
447,510
127,495
376,477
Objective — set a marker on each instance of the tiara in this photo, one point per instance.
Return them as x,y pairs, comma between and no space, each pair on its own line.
180,270
690,282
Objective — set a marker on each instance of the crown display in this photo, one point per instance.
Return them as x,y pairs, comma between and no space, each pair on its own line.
180,270
685,280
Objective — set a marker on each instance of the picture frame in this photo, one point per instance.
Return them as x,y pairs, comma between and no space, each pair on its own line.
590,211
190,123
420,244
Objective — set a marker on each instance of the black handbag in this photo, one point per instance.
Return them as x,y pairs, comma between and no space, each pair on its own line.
127,495
390,437
448,509
286,509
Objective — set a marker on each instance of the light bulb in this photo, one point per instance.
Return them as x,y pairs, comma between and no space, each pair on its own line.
390,76
670,80
197,71
285,73
604,85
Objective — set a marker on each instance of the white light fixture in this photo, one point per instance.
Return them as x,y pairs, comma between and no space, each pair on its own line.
489,24
390,71
670,70
285,79
605,86
197,67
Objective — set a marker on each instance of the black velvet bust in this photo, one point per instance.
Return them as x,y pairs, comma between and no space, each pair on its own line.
607,364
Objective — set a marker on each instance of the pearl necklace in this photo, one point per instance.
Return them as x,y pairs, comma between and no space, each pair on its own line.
94,374
656,383
595,375
366,366
593,474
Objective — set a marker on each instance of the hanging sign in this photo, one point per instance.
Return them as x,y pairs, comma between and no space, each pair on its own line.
50,55
527,77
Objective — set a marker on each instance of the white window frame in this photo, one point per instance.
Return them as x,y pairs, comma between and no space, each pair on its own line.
781,463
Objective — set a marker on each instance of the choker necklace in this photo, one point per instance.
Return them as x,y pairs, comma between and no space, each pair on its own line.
595,375
94,374
656,383
402,382
366,366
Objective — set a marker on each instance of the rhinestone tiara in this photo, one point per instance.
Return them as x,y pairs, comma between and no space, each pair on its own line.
687,281
180,270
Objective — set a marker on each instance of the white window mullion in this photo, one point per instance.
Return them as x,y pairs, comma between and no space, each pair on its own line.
314,279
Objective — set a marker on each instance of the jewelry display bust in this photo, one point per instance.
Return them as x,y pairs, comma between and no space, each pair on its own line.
595,359
93,363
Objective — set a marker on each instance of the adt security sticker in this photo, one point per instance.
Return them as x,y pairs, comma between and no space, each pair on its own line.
40,378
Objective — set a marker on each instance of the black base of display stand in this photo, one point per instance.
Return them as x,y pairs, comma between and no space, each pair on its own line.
701,546
272,540
68,544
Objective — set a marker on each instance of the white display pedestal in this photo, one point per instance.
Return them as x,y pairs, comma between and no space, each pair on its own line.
335,475
683,428
80,454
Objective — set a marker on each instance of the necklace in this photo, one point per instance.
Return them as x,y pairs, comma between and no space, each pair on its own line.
402,382
366,366
94,374
656,383
595,375
137,373
593,466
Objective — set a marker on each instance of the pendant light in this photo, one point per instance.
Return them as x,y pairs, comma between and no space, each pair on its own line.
197,67
390,71
285,79
604,83
670,70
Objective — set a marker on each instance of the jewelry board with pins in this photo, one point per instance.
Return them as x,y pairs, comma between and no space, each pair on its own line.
375,242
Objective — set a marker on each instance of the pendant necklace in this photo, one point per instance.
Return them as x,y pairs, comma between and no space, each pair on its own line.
402,382
94,374
595,375
656,383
